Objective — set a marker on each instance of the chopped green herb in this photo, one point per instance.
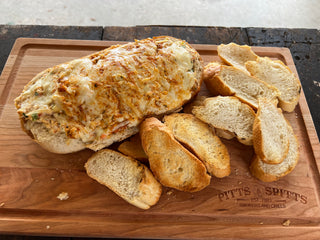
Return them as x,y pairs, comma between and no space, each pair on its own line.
25,115
35,116
36,94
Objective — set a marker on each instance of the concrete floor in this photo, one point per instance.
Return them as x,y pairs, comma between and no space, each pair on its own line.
227,13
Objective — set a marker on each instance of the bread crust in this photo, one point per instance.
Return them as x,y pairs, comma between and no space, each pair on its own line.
172,164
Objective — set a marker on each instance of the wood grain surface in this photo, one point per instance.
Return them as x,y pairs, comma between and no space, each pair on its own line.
236,206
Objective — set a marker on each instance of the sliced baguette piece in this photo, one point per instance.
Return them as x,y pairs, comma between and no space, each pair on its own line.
199,137
198,101
236,55
132,147
172,164
125,176
270,133
228,113
277,74
230,81
272,172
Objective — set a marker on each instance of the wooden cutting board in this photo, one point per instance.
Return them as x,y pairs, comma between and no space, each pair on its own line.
238,206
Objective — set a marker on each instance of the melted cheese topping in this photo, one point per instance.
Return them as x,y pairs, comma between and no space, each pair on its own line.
93,97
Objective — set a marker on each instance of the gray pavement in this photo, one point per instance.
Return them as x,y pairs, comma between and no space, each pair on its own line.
226,13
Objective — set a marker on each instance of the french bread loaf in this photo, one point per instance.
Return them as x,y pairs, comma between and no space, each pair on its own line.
172,164
228,113
200,139
125,176
100,99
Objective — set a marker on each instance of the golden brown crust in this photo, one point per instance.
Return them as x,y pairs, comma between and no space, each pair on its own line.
172,164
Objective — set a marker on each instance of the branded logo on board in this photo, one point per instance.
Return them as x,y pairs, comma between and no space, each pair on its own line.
262,197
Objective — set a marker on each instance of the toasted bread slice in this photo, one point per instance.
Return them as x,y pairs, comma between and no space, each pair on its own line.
231,81
199,137
270,133
277,74
272,172
228,113
132,147
236,55
172,164
126,176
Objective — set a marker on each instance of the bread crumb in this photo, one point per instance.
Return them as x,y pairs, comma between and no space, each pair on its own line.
52,179
261,223
169,192
2,204
47,227
239,182
63,196
286,223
